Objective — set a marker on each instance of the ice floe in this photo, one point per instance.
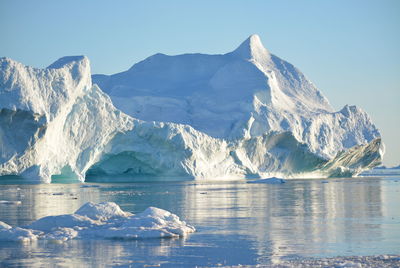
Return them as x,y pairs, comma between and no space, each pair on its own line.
100,221
7,202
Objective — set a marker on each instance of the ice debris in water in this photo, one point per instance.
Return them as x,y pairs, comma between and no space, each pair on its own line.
103,221
273,180
380,261
7,202
8,233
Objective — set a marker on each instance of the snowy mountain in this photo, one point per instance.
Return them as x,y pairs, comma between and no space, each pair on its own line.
243,114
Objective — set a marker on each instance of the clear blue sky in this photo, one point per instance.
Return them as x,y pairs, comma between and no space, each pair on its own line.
349,48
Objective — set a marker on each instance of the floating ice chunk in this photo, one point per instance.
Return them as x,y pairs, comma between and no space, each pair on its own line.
103,221
6,202
8,233
159,220
61,235
273,180
151,223
102,211
4,225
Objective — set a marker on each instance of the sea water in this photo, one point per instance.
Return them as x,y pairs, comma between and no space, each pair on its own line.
237,223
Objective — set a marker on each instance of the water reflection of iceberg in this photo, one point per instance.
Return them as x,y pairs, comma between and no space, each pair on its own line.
300,217
44,200
93,253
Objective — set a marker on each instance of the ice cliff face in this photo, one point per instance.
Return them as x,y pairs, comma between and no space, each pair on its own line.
53,119
242,114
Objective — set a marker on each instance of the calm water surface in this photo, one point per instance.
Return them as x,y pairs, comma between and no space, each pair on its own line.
236,222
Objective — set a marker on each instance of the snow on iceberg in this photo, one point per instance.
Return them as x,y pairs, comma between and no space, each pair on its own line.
100,221
244,114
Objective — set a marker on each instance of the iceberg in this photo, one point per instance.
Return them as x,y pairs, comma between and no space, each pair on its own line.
244,114
100,221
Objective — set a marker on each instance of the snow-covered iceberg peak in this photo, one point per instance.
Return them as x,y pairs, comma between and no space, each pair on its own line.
242,94
69,61
44,91
252,49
